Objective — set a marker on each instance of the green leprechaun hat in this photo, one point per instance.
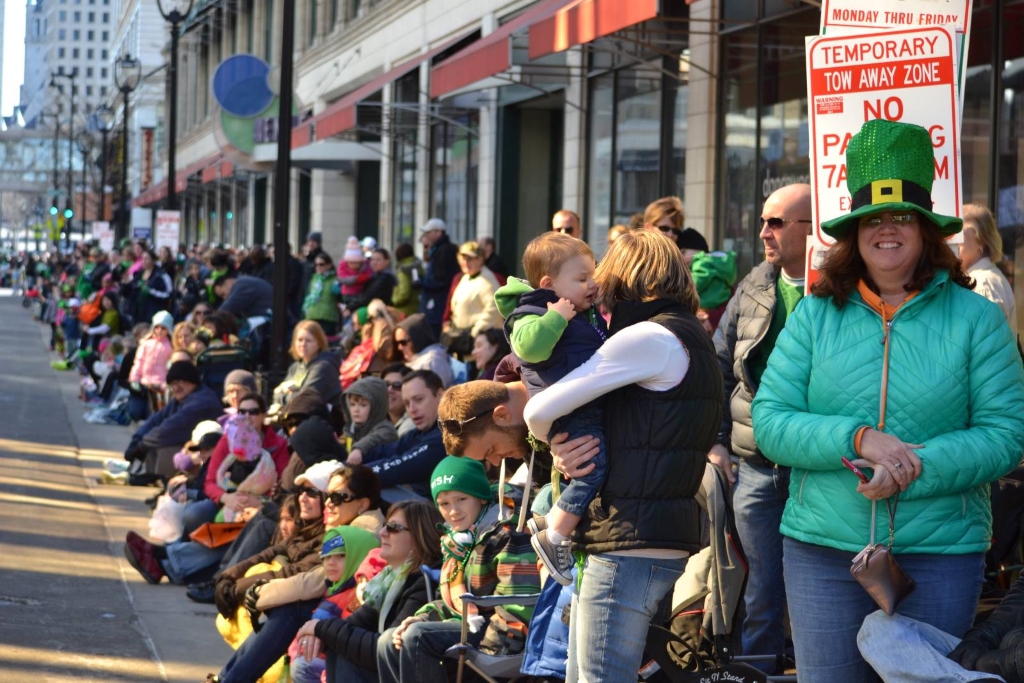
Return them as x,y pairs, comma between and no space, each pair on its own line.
890,166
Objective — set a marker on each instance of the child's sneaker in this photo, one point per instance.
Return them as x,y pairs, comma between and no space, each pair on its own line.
556,557
115,466
537,525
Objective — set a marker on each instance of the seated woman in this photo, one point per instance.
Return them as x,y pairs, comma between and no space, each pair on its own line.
489,347
352,499
410,538
315,366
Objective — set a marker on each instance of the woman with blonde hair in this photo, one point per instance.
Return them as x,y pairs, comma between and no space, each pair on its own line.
645,522
981,251
665,215
471,306
315,366
183,336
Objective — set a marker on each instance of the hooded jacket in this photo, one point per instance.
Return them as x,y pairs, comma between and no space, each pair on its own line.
429,354
408,461
322,298
954,383
320,375
714,274
173,425
315,441
409,274
471,305
377,430
442,267
273,443
380,286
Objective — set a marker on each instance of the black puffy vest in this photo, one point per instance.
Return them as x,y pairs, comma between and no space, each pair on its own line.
657,445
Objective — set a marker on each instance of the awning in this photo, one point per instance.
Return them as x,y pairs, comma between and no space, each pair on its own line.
585,20
338,155
158,192
225,169
488,56
340,116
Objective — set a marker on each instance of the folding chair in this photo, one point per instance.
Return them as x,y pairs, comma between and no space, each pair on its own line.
216,363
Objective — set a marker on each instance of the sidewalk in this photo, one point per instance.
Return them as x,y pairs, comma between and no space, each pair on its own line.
168,637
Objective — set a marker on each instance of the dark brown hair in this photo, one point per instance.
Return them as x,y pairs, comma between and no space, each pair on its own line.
423,521
844,268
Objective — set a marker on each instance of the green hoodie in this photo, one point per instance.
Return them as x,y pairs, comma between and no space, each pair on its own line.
358,544
533,336
714,275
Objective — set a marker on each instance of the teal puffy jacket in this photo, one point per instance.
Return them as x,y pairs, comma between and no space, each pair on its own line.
955,385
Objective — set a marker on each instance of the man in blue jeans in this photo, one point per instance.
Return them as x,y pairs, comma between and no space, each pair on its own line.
745,338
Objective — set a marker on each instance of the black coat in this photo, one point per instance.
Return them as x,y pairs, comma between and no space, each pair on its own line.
355,638
380,286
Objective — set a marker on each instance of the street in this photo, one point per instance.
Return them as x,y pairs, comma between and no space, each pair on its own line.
71,608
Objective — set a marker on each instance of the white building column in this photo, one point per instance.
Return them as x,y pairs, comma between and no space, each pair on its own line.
333,201
702,118
574,145
487,171
385,233
423,149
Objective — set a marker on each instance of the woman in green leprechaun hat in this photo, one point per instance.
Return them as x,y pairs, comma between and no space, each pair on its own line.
895,364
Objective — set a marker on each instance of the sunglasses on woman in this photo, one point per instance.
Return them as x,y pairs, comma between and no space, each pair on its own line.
336,498
309,492
394,528
250,411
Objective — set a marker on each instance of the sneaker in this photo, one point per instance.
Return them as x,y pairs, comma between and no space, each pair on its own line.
144,563
556,557
115,466
201,592
120,479
537,525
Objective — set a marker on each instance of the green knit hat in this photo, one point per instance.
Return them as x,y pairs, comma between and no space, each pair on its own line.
460,474
890,166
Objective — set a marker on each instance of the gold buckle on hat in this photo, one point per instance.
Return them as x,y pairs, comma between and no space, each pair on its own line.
884,191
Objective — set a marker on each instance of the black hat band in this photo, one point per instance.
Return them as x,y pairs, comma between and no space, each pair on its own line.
890,192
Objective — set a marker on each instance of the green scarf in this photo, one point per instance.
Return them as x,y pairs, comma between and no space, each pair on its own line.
376,590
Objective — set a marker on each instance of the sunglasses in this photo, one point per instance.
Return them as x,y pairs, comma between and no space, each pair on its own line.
321,264
776,223
397,386
566,230
336,498
250,411
668,229
201,312
402,342
455,427
394,528
309,491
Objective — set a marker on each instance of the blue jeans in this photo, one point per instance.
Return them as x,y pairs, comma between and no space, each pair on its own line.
198,513
188,558
759,498
827,606
260,650
256,536
306,672
902,650
577,495
423,648
341,670
619,597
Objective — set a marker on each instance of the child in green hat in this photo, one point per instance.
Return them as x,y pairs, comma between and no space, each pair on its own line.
483,556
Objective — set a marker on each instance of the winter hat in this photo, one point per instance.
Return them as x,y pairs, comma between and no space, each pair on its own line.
205,436
691,239
183,460
352,542
163,319
369,243
353,251
315,441
306,402
433,224
244,442
184,371
243,378
890,166
74,302
460,474
315,237
319,475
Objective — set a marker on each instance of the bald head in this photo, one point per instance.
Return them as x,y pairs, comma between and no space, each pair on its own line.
785,238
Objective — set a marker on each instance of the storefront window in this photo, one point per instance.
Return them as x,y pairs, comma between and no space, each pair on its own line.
403,145
1010,188
455,152
602,127
976,121
738,177
637,147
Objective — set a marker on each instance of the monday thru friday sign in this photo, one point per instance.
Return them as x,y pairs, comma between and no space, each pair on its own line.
900,75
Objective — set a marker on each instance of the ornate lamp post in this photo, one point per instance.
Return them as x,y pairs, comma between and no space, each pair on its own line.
178,11
69,212
127,74
105,123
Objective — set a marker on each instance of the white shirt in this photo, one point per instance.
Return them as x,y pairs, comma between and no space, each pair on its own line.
993,285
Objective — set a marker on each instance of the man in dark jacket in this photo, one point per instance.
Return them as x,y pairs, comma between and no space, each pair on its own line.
244,296
442,266
163,434
745,338
410,460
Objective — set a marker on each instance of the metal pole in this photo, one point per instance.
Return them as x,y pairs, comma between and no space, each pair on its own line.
102,213
282,183
172,123
123,206
71,173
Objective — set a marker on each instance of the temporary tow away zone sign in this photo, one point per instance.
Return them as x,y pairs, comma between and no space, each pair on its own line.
900,75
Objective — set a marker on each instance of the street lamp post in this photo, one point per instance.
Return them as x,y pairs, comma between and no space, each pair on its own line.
85,144
105,122
127,74
69,212
179,11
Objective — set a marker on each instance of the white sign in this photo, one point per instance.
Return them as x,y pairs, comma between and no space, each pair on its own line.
851,17
167,228
900,75
102,231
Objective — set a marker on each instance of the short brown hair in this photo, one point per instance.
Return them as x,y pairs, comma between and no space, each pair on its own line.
988,235
423,520
645,266
844,267
666,207
477,398
548,253
313,327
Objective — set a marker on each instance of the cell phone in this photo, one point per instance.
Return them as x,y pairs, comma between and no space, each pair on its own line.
853,468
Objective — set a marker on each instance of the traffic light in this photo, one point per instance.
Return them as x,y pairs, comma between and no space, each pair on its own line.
69,213
53,210
230,215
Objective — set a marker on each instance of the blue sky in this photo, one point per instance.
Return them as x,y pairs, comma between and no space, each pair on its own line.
14,54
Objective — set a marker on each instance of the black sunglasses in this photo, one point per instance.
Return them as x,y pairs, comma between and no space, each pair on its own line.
455,427
309,491
201,312
397,386
776,223
336,498
402,342
321,263
566,230
676,232
250,411
394,528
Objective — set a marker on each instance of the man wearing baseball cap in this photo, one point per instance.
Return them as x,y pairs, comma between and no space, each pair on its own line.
442,267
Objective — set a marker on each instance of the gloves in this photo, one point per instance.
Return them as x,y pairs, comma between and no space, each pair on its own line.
225,598
967,653
476,622
252,596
